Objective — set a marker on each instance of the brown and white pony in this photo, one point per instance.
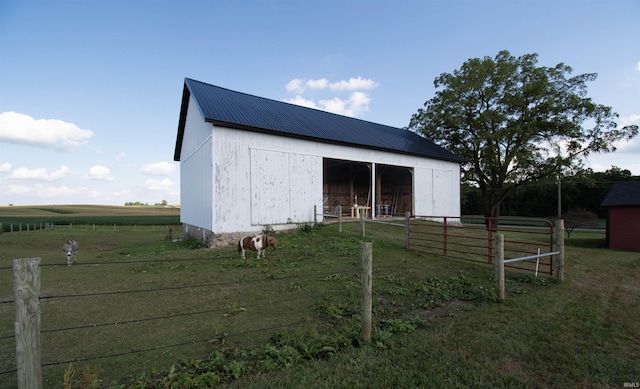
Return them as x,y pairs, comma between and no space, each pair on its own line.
256,243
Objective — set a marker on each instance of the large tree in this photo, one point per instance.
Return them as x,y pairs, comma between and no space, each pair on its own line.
514,121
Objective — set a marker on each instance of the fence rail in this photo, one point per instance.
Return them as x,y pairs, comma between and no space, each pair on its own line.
473,239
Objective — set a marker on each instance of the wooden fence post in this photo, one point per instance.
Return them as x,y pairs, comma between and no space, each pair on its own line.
407,223
26,292
559,246
339,218
315,214
499,265
365,305
362,228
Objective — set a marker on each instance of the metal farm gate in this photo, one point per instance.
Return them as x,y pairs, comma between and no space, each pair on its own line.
528,242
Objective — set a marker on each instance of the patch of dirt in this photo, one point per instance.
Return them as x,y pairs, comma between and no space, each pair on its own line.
103,245
446,310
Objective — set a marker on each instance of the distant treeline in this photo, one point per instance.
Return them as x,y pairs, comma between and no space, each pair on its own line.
585,190
163,203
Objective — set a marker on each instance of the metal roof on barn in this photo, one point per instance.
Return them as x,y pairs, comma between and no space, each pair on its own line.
224,107
623,194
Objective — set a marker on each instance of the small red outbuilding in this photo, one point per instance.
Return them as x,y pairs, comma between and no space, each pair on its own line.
623,216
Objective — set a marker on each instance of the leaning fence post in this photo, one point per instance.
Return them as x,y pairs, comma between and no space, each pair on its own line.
339,218
499,265
559,246
26,292
365,306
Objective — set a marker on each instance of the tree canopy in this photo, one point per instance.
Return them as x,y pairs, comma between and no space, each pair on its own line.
513,122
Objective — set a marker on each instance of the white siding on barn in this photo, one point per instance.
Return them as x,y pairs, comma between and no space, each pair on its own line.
305,177
196,172
282,186
260,179
437,192
269,187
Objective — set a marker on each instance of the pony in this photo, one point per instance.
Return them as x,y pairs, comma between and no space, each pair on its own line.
70,248
256,243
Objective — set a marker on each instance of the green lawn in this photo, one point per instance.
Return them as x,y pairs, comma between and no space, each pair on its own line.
436,321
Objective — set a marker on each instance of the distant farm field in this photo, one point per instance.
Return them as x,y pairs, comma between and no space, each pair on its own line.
17,217
146,311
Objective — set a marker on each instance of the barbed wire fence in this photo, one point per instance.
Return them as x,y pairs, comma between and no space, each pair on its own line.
22,266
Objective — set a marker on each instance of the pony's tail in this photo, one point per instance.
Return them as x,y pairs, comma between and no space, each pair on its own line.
239,245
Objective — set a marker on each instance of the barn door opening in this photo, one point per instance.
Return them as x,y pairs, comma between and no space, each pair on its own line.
346,183
394,190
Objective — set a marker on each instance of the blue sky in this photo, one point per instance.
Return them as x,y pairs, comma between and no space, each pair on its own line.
90,91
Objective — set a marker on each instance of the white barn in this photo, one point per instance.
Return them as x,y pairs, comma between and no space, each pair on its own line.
247,162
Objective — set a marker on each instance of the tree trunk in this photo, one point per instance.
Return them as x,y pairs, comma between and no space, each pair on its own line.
491,208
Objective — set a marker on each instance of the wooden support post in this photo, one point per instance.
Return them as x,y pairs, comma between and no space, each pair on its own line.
559,246
365,306
407,223
315,214
26,292
362,228
339,218
499,265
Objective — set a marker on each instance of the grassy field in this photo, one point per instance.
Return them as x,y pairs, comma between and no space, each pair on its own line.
436,321
18,217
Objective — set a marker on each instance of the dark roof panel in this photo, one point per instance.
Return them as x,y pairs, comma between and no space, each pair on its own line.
623,194
225,107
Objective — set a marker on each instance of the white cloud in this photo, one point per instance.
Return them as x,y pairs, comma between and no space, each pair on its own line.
158,169
46,133
121,156
298,85
152,184
299,100
638,66
5,167
16,189
353,84
295,86
353,105
356,104
47,192
23,173
322,83
629,120
100,173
